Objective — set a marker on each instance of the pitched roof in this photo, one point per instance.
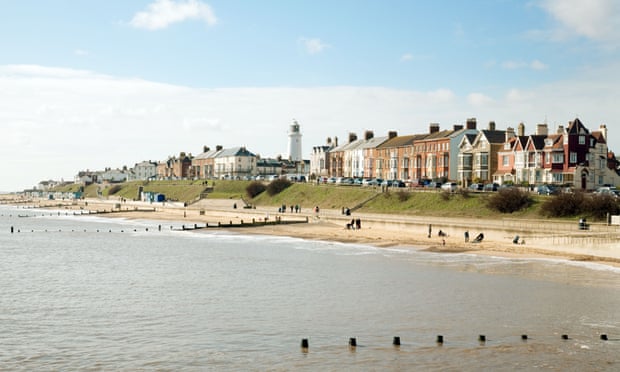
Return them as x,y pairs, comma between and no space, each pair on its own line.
398,141
374,142
576,127
235,151
494,136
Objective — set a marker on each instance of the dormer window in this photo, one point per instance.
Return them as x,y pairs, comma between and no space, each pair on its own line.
582,139
507,146
548,142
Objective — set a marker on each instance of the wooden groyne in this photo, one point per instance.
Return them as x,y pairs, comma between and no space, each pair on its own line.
253,223
86,212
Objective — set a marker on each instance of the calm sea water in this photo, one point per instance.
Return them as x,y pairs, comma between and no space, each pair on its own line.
86,293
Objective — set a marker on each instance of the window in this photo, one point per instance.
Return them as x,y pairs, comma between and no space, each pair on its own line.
484,159
582,140
558,158
505,160
573,157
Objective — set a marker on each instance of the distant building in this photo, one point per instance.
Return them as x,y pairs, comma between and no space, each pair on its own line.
143,171
235,163
294,142
176,167
319,159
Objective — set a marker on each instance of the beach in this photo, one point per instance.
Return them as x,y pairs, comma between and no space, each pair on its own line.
537,238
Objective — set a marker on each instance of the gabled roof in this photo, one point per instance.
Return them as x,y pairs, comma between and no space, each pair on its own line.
521,142
494,136
235,151
599,137
577,127
537,141
557,142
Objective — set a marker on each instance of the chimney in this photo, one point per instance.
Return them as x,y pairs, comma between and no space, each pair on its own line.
392,134
335,141
218,148
205,149
182,154
603,129
521,129
352,137
491,126
471,123
542,130
560,129
457,127
368,135
329,140
510,133
433,128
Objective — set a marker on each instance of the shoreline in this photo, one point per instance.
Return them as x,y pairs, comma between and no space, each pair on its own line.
409,232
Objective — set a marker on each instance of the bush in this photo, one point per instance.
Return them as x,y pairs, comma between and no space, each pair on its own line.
600,205
277,186
464,192
509,200
402,195
564,205
445,195
255,188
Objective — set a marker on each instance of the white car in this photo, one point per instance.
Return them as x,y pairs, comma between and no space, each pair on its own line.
449,186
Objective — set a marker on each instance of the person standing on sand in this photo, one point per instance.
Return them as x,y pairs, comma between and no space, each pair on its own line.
466,236
430,230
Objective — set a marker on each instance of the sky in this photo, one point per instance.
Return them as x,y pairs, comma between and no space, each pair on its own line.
86,85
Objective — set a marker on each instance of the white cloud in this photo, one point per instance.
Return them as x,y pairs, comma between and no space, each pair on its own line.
162,13
514,65
537,65
442,95
406,57
313,45
594,19
80,52
56,122
479,99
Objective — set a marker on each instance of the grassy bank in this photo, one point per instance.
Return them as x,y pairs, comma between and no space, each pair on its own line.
308,195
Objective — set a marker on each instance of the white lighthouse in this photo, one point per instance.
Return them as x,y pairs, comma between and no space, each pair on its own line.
294,142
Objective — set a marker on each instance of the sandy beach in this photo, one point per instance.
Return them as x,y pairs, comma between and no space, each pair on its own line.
537,238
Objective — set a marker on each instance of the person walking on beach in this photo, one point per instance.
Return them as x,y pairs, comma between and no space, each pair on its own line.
430,230
466,236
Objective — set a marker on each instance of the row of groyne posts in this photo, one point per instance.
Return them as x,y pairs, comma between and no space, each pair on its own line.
242,223
482,339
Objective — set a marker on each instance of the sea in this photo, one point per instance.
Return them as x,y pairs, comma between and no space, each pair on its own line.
89,293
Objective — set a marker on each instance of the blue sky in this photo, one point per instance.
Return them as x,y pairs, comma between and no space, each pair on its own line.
88,85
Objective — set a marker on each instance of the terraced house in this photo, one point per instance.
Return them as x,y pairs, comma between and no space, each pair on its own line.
570,156
478,155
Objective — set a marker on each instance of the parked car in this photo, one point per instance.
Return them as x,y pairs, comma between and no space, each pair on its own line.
546,190
491,187
433,185
608,190
369,182
449,186
476,187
